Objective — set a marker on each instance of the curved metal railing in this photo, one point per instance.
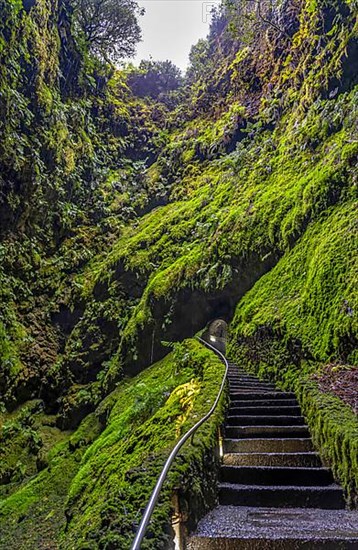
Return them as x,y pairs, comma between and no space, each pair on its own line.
156,491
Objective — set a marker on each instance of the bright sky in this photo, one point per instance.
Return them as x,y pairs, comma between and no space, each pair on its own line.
171,27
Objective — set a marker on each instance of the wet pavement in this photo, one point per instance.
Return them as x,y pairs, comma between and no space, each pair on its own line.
300,523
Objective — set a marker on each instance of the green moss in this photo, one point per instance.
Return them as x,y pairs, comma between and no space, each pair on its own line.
106,478
309,295
242,211
147,418
334,428
34,513
9,352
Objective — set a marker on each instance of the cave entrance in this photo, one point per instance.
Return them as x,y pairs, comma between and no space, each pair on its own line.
216,334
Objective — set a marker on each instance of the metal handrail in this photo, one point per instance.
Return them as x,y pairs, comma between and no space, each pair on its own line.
156,491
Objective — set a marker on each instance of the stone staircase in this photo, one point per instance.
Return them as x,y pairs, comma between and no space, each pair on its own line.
274,491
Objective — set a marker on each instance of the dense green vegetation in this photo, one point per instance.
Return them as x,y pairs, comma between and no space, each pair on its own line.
138,204
99,477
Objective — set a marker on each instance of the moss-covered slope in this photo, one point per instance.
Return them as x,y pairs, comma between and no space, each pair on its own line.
260,149
98,479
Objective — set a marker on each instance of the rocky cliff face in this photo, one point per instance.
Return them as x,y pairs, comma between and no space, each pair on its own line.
74,144
126,223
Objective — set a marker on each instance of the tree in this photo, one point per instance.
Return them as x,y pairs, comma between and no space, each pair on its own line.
109,27
199,59
154,79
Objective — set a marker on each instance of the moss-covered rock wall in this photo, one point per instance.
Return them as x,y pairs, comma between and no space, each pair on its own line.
93,484
125,223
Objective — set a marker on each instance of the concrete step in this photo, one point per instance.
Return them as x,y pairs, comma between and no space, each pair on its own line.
252,396
244,528
273,459
239,374
264,402
244,372
268,543
266,411
240,394
252,384
276,475
279,496
243,420
238,380
266,431
268,445
255,388
247,380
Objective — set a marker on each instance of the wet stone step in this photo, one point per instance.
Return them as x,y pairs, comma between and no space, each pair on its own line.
266,411
251,383
245,394
252,396
299,459
250,378
258,387
329,497
268,445
262,528
266,431
241,420
242,380
269,543
276,475
241,374
284,401
237,392
246,379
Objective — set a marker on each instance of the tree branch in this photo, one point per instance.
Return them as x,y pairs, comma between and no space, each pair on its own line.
271,23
